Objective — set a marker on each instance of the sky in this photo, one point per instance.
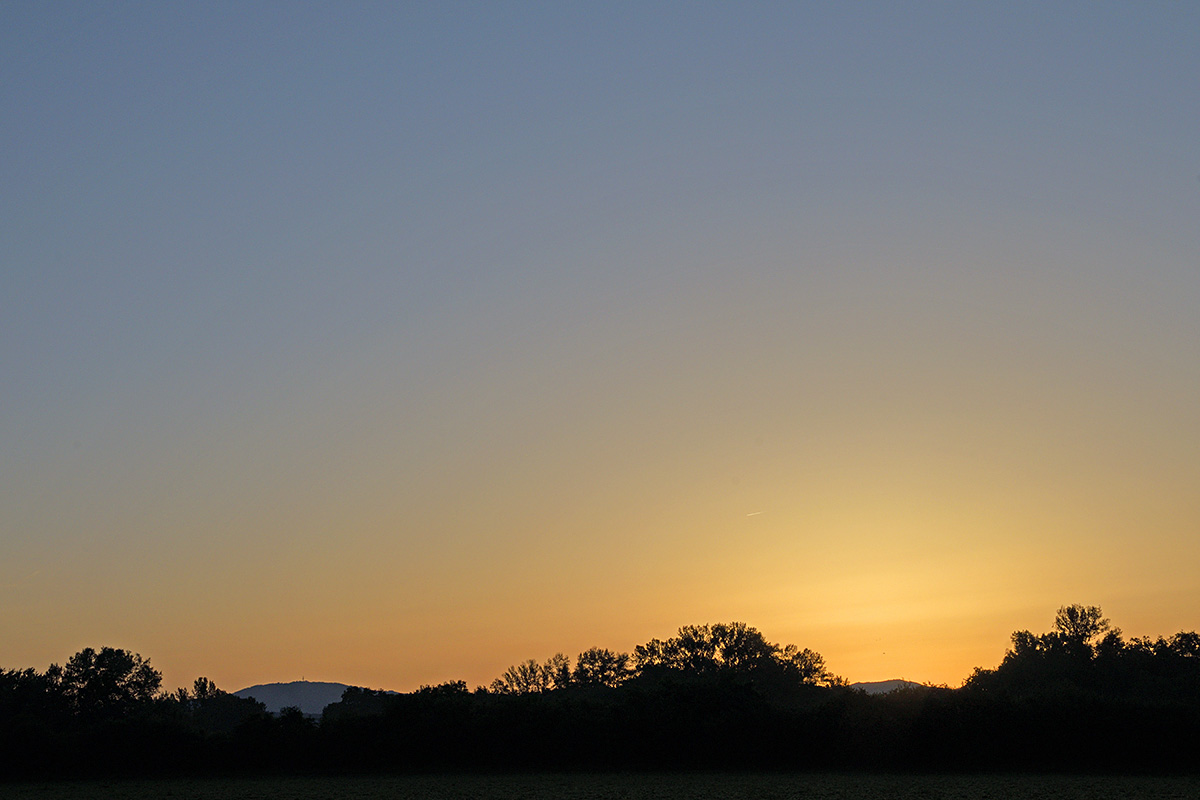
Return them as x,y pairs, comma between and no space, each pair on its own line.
391,344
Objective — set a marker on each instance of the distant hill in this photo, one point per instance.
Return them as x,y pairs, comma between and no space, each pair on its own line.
883,687
310,697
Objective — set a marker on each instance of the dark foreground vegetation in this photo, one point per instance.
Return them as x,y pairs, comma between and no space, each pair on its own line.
626,786
1080,698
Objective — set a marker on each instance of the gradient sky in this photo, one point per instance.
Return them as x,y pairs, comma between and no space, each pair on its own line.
397,343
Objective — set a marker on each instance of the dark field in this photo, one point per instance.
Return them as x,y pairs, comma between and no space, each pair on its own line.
627,787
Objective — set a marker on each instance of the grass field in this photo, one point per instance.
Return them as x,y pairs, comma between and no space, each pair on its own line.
625,787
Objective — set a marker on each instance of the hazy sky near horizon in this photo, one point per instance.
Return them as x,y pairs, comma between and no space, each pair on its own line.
397,343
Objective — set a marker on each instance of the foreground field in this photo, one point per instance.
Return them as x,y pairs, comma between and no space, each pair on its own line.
626,787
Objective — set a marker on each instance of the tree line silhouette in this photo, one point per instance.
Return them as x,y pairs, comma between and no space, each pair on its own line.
1078,698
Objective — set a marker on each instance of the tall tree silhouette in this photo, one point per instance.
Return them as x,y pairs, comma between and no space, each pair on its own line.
1081,625
106,682
731,648
601,667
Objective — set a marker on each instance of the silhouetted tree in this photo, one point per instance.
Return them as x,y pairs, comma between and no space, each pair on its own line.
359,702
1080,624
204,689
601,667
447,689
693,650
522,678
740,647
530,677
105,683
25,692
1084,656
213,710
731,648
808,666
558,671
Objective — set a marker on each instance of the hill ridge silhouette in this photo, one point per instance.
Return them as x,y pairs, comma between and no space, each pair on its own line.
310,697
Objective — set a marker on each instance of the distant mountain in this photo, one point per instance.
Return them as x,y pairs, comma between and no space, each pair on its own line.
883,687
310,696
